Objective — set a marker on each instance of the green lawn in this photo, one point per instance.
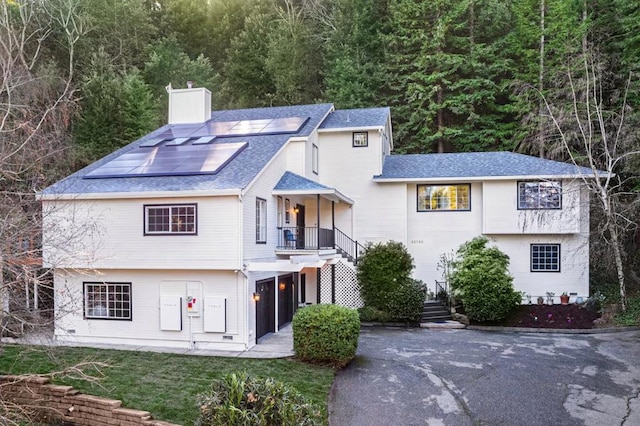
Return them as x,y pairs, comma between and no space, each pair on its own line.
164,384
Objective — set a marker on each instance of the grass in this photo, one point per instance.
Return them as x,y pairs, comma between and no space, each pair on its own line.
166,385
632,315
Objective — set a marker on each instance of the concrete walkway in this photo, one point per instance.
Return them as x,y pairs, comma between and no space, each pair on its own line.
271,346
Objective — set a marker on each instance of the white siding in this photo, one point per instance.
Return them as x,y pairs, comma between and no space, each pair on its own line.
501,214
379,209
433,233
262,188
147,286
115,235
296,156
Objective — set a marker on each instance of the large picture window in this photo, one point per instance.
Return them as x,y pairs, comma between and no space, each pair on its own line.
174,219
107,300
261,220
444,197
545,257
539,195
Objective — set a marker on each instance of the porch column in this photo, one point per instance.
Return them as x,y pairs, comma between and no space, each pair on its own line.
318,229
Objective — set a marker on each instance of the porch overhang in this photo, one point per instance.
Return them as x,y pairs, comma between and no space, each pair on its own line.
294,184
330,194
293,264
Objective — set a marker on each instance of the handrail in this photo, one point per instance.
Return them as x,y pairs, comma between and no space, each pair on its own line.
348,246
443,294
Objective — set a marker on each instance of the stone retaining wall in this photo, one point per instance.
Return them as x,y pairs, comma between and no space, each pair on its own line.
69,405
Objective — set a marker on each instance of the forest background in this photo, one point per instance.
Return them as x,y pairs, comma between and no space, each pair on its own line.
81,78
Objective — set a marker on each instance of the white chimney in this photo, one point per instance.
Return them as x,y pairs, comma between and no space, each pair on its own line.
192,105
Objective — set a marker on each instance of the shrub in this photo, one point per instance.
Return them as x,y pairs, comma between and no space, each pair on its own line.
238,399
380,270
369,314
406,301
326,334
481,280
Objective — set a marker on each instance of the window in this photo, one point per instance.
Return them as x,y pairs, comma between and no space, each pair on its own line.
287,210
261,220
107,301
539,195
314,159
177,219
360,139
444,197
545,257
280,208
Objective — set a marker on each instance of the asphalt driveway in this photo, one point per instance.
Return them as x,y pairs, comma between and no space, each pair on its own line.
468,377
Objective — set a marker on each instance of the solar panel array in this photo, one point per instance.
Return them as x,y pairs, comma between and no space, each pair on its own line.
192,149
169,161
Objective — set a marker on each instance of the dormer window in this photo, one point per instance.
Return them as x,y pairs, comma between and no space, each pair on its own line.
360,139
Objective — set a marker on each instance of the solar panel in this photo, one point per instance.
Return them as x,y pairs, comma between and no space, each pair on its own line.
173,160
202,140
176,141
152,142
269,126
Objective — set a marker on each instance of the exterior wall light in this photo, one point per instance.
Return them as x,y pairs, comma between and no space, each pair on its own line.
256,297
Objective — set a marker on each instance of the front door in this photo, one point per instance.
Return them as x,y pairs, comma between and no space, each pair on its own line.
265,307
301,226
285,300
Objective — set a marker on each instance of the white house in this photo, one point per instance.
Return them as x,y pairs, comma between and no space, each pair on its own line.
210,231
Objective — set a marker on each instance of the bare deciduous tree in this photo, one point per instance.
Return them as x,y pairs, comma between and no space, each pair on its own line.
595,134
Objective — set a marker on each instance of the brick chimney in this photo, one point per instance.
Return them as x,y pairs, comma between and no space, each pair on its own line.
191,105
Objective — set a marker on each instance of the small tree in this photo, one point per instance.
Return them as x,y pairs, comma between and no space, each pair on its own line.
481,280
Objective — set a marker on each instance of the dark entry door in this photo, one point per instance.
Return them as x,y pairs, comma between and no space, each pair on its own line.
265,307
301,226
285,300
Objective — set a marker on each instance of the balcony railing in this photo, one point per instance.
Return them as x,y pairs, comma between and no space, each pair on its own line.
305,238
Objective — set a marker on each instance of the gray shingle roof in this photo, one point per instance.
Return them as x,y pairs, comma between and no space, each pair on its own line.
235,175
473,165
294,182
357,118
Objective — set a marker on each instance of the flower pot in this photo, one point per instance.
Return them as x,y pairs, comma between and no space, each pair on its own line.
564,299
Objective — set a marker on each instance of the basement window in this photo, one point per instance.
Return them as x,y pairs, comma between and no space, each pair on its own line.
107,300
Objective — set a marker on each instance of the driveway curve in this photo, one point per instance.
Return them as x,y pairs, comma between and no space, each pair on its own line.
471,377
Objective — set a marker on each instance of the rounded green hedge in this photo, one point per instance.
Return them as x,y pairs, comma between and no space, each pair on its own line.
326,334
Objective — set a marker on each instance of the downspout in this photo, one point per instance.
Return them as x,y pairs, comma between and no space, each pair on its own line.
244,290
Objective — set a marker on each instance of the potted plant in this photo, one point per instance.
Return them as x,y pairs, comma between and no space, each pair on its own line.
564,298
550,295
540,300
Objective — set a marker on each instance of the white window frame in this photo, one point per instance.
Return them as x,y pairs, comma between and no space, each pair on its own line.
360,139
545,257
438,203
107,300
261,220
540,195
182,219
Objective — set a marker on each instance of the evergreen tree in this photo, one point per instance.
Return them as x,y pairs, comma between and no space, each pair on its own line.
115,109
354,75
446,75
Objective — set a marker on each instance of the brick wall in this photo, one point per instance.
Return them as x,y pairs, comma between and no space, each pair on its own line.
65,403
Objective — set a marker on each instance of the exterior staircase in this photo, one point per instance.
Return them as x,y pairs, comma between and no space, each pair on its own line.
434,311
